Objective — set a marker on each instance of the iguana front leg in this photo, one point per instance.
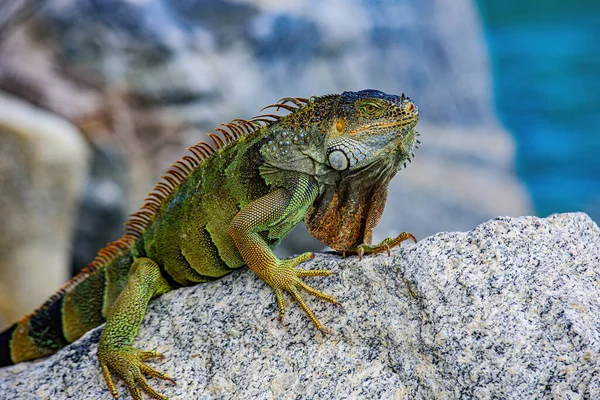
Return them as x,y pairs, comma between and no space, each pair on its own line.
385,245
271,213
115,351
375,212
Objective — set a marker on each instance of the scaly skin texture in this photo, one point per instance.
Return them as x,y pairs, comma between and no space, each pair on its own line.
328,162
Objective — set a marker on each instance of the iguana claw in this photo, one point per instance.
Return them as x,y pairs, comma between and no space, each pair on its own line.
286,277
128,364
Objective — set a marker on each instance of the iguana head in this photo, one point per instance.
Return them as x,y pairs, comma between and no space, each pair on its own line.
370,127
369,135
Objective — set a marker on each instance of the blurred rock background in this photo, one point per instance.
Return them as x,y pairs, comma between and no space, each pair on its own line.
43,166
142,79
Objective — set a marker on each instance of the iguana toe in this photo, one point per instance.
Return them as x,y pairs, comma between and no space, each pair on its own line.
286,277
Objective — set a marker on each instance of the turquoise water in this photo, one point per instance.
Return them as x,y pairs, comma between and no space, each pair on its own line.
546,68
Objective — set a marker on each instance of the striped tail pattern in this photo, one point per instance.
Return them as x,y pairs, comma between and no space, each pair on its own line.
79,306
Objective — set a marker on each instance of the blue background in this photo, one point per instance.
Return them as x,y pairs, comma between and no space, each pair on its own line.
546,70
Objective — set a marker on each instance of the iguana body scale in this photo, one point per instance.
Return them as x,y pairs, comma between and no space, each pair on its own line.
226,206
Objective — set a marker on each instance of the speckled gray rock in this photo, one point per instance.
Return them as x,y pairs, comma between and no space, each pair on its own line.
509,310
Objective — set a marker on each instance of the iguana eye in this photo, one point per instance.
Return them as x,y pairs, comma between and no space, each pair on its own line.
370,109
338,160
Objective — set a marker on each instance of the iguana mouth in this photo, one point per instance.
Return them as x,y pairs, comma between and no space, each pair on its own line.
406,123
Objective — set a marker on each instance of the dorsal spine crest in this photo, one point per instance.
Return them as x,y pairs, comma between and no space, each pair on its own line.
226,135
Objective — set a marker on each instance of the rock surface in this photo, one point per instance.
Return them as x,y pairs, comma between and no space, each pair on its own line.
508,310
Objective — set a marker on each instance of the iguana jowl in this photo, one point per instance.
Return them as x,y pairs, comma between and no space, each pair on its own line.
329,162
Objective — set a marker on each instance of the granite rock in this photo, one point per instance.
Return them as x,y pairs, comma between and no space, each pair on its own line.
508,310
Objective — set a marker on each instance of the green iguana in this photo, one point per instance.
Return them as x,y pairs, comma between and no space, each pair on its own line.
329,162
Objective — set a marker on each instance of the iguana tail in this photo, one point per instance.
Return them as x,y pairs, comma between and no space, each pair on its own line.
35,335
5,336
79,306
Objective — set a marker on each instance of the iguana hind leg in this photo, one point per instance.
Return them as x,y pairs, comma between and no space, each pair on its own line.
269,213
115,351
385,245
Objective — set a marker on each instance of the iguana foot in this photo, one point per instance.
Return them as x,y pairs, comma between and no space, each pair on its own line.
128,364
284,276
385,245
